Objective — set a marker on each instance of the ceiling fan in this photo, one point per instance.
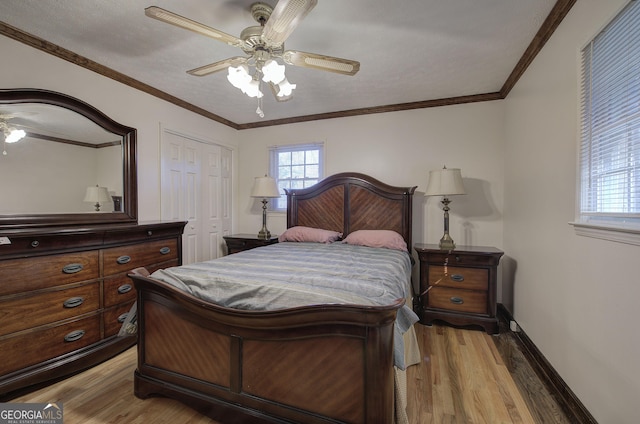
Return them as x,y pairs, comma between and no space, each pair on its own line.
262,44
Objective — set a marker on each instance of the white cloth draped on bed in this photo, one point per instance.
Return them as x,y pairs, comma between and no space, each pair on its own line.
289,274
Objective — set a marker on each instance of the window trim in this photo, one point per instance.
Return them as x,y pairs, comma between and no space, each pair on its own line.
273,171
623,228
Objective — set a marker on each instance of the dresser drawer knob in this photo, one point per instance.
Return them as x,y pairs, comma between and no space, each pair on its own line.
73,302
124,259
125,288
123,317
458,278
456,300
74,336
165,250
35,243
149,233
72,268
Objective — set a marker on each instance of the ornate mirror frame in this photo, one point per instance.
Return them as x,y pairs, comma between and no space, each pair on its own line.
129,213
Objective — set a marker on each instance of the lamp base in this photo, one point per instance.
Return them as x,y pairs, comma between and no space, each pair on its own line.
264,234
446,243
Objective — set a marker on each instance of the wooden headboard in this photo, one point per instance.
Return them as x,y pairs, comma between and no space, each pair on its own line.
350,201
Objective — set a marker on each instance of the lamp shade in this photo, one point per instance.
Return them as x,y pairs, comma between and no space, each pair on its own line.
97,194
265,187
445,182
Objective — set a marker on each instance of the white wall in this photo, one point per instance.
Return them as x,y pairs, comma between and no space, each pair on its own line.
31,68
575,297
399,148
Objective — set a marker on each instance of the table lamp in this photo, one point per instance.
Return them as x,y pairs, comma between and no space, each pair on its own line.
445,182
265,188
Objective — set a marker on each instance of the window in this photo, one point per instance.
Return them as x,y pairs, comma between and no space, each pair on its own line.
295,166
610,125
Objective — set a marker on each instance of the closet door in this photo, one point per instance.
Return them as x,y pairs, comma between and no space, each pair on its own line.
193,176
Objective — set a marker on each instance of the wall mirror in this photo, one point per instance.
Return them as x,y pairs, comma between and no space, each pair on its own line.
72,166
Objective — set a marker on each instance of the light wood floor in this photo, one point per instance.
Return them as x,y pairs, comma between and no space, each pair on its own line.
466,376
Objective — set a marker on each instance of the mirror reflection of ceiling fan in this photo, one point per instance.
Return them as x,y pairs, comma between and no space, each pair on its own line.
263,45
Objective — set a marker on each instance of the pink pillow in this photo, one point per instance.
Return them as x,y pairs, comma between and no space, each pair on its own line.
309,234
377,238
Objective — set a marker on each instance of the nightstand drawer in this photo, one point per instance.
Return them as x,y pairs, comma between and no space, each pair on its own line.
458,300
241,242
462,278
455,258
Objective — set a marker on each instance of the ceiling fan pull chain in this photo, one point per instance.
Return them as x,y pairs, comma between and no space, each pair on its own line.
259,109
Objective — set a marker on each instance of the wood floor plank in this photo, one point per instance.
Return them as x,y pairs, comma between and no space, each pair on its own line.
465,377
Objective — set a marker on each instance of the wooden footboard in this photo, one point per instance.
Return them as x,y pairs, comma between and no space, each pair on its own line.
318,364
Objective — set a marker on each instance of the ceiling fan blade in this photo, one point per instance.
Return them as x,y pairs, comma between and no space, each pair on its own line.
186,23
324,63
218,66
284,19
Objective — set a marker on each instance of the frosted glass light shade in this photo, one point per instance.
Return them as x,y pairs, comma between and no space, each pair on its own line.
15,135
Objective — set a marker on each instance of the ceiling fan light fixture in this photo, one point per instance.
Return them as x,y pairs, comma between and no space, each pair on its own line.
11,135
15,136
273,72
252,89
239,76
286,88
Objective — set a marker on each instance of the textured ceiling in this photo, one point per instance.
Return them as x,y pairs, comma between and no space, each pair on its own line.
409,50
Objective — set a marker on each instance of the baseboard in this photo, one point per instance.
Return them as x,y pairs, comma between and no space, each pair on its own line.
568,401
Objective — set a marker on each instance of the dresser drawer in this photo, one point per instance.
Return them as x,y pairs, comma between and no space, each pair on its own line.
119,288
39,244
463,278
143,233
114,317
126,258
22,275
458,300
20,313
34,347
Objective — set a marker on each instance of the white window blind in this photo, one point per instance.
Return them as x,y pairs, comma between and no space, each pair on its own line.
610,123
295,166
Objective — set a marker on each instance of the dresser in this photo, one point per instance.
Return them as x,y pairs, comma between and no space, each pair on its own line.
459,286
64,294
239,242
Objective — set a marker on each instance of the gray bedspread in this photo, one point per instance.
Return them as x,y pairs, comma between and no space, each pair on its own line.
286,275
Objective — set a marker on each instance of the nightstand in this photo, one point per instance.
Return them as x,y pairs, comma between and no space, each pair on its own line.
459,286
239,242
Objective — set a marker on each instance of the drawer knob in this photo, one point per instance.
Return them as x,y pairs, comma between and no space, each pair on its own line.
149,233
165,250
73,302
124,259
35,243
458,278
123,317
456,300
74,336
72,268
125,288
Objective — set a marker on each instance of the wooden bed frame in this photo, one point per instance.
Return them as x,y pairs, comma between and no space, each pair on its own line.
316,364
